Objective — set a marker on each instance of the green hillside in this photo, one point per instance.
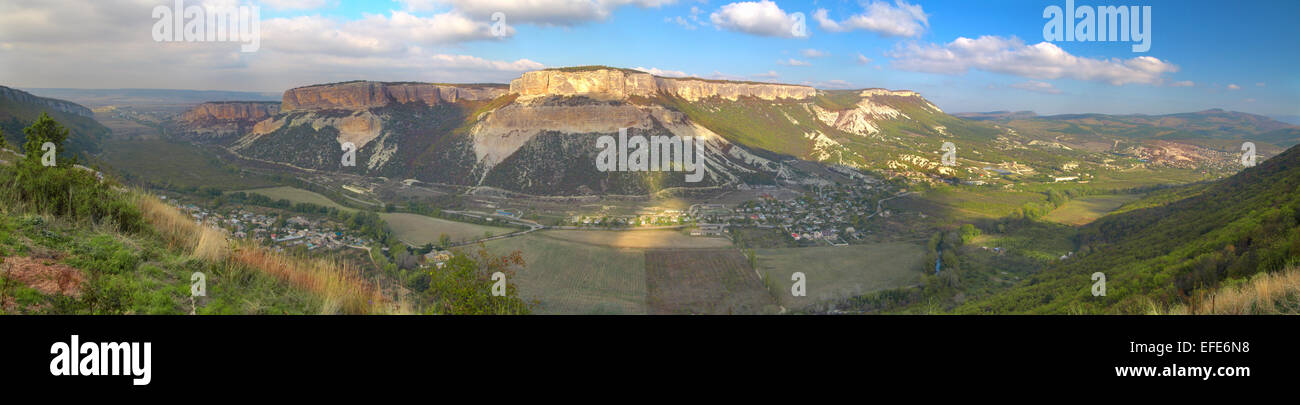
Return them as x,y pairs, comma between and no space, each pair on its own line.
85,133
1207,237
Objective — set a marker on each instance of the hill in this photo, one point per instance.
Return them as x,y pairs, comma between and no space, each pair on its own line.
19,108
1173,252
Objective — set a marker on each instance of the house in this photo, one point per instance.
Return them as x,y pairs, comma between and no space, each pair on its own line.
437,258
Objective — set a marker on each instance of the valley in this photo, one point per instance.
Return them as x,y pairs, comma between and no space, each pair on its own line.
844,186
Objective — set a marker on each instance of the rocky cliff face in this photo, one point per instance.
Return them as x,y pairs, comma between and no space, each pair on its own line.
230,112
55,104
621,84
223,120
363,95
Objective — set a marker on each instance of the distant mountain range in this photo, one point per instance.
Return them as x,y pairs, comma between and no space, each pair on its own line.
1213,124
139,97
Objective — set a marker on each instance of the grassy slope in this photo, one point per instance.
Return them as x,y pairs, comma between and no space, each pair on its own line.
1232,230
84,133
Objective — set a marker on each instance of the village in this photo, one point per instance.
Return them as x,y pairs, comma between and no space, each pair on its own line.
278,232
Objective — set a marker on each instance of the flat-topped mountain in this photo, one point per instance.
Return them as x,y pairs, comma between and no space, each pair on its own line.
365,94
538,135
601,82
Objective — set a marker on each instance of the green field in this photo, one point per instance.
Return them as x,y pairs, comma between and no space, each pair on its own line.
297,195
1083,210
419,229
568,277
837,272
180,165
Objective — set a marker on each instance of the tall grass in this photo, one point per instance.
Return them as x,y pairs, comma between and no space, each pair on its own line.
340,287
1276,293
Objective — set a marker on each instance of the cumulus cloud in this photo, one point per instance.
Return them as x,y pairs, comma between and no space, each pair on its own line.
1012,56
793,62
1037,87
899,20
1184,83
540,12
1233,86
661,72
863,60
39,38
295,4
760,18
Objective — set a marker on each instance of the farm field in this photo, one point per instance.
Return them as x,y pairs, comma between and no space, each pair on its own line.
567,277
650,239
160,161
297,195
419,229
836,272
704,281
1083,210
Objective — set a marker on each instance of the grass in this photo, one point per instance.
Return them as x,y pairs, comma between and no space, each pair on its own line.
297,195
340,287
1275,293
419,229
838,272
647,239
1083,210
567,277
180,165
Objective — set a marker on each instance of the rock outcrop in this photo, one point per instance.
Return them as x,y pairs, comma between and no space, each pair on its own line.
609,83
54,104
218,112
363,94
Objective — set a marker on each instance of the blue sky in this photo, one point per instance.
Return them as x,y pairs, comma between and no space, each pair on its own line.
1234,55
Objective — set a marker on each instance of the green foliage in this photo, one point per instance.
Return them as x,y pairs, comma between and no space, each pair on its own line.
464,285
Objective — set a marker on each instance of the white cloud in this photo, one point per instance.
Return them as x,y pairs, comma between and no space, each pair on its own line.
295,4
863,60
900,20
1234,86
541,12
770,75
371,34
813,53
41,43
680,21
1043,60
793,62
1184,83
1038,87
661,72
759,18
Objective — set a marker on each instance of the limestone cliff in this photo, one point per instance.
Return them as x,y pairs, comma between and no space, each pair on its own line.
55,104
609,83
217,112
364,94
221,120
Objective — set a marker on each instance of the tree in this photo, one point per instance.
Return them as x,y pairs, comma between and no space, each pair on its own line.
444,240
45,129
3,143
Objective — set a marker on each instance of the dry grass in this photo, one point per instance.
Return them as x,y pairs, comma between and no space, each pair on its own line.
340,287
1275,293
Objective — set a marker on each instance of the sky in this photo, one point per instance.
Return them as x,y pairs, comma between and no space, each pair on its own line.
962,55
